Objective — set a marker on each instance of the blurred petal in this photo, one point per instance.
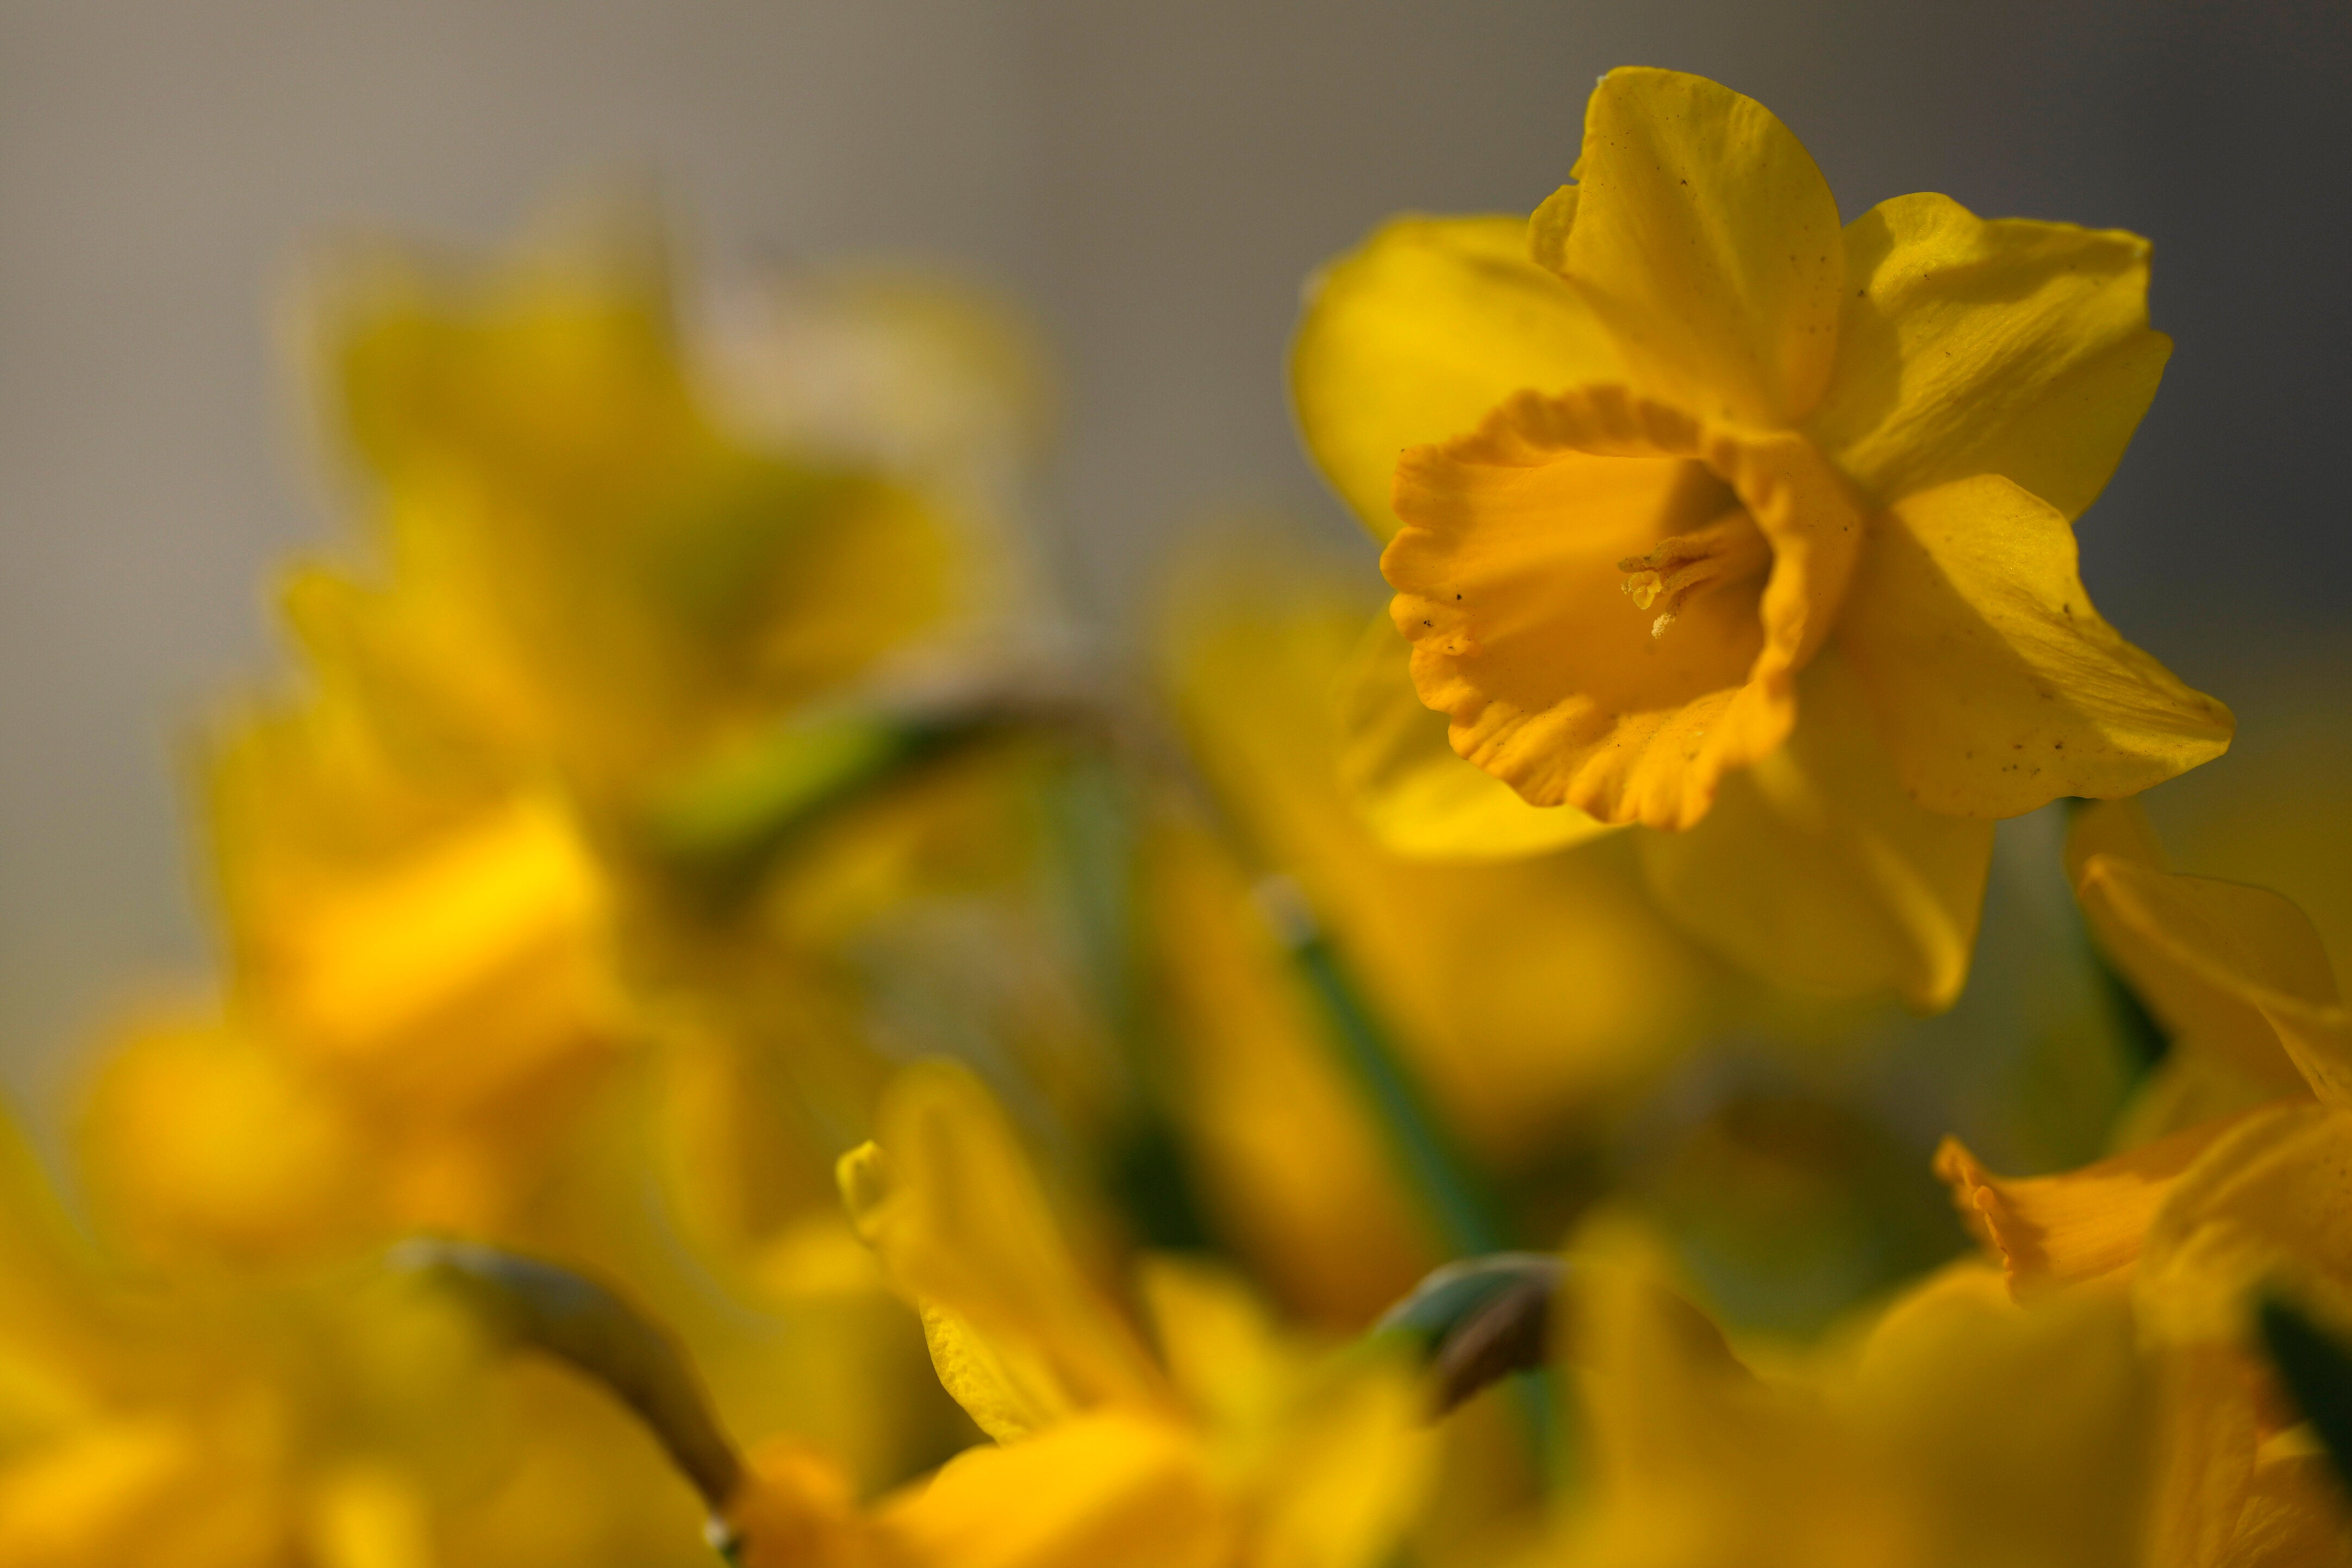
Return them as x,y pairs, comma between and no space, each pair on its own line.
203,1140
1416,335
1512,580
144,1492
2110,828
1817,870
1418,797
2027,1429
2263,1209
1707,239
2207,1442
1969,347
1108,1488
570,525
1218,1340
489,932
2235,972
1997,686
2077,1225
1346,1473
947,1199
2293,1515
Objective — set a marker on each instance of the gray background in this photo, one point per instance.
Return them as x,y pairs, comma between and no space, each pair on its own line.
1153,180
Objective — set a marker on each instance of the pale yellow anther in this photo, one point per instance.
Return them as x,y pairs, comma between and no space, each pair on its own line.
1729,549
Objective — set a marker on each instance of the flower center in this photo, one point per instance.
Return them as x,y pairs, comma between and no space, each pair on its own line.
1729,549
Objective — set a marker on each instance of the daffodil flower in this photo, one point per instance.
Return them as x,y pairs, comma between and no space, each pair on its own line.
1707,514
2259,1071
304,1420
1961,1429
1226,1448
423,996
2201,1220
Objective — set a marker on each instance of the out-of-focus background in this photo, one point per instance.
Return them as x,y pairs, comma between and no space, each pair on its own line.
1152,182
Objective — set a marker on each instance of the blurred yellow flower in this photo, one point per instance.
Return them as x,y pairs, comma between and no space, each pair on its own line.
1962,1429
1833,473
584,563
2238,981
310,1423
1230,1448
453,907
2203,1220
422,997
454,861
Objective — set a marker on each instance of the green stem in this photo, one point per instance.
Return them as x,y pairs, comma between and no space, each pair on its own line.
1456,1200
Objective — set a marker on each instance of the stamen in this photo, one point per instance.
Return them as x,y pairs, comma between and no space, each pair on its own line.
1731,549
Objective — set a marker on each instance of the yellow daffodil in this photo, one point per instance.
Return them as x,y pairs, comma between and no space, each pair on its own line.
313,1423
1965,1429
448,863
2238,981
2203,1219
422,998
1707,514
1228,1447
586,567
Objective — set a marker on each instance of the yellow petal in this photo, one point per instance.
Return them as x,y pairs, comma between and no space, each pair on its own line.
2262,1208
2187,1089
1696,1459
2079,1224
2236,973
2026,1430
1346,1475
1416,334
487,935
1511,582
2207,1442
949,1203
372,1516
134,1492
557,376
204,1139
1706,238
1111,1487
1967,346
565,513
2294,1515
1418,797
1815,869
1217,1338
1008,1384
2118,827
1997,686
